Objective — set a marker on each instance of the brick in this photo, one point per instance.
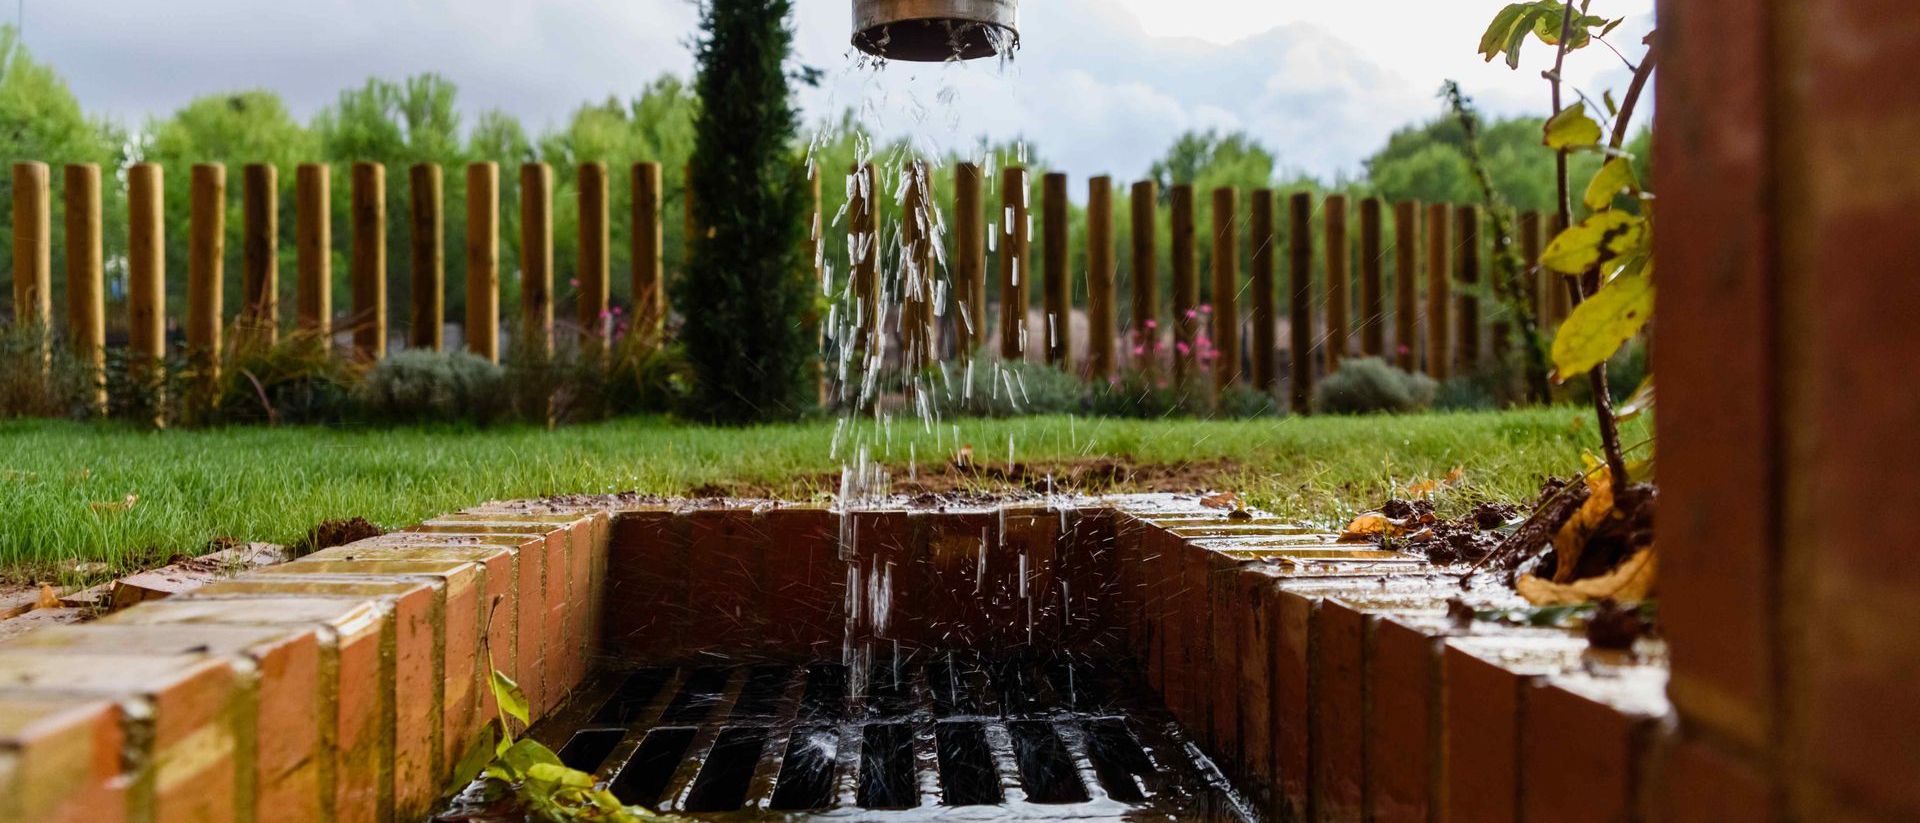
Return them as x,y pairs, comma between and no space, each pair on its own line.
647,586
1699,782
191,712
1251,601
1223,667
1402,729
1292,615
1481,682
1337,715
288,701
357,675
1033,533
419,623
470,580
949,583
806,583
1581,745
726,567
60,759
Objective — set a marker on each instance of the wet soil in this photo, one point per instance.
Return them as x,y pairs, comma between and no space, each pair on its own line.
957,483
330,533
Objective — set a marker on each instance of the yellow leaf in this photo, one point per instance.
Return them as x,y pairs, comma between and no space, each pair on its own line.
49,599
1572,129
120,505
1630,582
1615,178
1368,526
1602,238
1571,541
1602,324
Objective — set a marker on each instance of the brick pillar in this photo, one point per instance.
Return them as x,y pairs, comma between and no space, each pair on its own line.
1788,408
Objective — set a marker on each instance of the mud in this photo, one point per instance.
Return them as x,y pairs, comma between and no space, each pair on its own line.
330,533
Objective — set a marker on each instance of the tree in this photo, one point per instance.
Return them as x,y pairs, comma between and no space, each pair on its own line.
747,296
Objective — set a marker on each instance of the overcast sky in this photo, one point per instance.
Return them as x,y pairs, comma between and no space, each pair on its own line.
1101,86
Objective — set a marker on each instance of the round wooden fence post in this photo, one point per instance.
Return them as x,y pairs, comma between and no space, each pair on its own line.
1373,307
369,260
146,269
1014,236
86,280
206,263
1338,277
1056,296
916,269
1226,288
33,251
596,238
1439,246
863,232
1260,293
649,258
1100,274
1467,266
969,258
1406,285
1300,300
1186,289
259,255
1145,274
313,248
426,258
536,257
482,326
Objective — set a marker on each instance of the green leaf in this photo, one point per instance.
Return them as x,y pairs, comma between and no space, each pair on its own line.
1613,108
1499,34
560,776
1602,238
513,701
474,761
1636,404
1615,178
1599,326
1572,129
524,755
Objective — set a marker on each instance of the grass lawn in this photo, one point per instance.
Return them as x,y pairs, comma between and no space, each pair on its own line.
65,487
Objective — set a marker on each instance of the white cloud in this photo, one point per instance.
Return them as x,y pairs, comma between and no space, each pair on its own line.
1101,86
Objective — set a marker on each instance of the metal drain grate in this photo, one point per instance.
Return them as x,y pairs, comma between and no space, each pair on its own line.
946,736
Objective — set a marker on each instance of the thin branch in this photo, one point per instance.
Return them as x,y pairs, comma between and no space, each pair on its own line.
1627,104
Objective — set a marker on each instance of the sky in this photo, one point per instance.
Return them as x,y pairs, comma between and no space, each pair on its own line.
1100,86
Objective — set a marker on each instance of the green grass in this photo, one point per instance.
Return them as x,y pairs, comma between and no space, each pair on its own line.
275,484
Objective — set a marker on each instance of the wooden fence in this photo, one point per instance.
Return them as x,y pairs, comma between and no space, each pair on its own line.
1441,334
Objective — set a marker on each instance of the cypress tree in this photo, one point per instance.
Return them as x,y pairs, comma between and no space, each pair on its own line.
747,296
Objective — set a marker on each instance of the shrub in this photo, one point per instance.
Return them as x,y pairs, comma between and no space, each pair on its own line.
38,378
1368,385
1465,393
1138,395
748,297
1001,388
295,380
1241,402
418,385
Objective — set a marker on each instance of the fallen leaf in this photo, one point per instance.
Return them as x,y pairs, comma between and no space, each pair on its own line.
1221,500
964,460
91,567
1571,540
49,599
1629,582
1428,488
116,506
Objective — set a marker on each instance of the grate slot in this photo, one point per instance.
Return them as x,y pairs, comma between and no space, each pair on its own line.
1118,760
764,692
588,748
630,702
890,691
886,767
704,688
644,777
806,772
724,778
825,697
1021,690
967,773
1046,769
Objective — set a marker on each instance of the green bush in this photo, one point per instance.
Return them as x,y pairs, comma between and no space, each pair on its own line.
418,385
1465,393
1001,388
38,378
1241,402
1137,395
748,298
295,380
1368,385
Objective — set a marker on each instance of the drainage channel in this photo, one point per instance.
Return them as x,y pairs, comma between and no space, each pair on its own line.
941,736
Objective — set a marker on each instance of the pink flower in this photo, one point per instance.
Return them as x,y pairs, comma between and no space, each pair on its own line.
616,311
1152,325
1191,314
574,282
1206,309
1182,348
1139,350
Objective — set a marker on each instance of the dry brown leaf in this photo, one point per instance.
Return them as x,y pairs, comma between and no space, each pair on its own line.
1571,541
1221,500
1428,488
120,505
1630,582
1370,525
49,599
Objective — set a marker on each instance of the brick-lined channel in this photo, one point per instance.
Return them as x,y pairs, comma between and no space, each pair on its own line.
1322,681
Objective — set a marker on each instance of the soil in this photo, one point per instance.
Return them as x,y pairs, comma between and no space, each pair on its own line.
332,533
951,483
1616,627
1468,538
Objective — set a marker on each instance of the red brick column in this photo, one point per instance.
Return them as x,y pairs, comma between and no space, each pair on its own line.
1787,421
